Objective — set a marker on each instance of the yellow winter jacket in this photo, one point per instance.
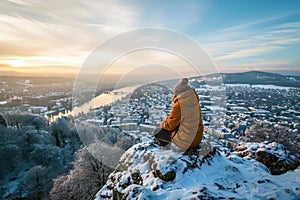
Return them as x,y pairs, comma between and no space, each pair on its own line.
186,113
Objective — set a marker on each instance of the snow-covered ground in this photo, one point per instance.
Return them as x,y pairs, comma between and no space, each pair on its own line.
275,87
147,171
3,102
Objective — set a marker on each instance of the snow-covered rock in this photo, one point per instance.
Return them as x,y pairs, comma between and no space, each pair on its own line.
276,158
147,171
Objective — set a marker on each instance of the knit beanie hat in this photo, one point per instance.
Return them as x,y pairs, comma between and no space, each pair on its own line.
182,86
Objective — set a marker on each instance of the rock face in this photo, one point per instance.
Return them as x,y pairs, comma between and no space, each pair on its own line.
147,171
273,155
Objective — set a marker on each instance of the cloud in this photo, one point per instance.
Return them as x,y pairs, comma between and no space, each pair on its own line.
265,44
246,53
63,33
58,32
73,13
178,15
253,39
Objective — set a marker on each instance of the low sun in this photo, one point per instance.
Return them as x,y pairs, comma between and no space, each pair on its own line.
16,63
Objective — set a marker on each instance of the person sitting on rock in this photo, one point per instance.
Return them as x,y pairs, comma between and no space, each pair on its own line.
184,126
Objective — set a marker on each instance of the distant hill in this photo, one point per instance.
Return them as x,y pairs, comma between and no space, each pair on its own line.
12,80
261,78
252,78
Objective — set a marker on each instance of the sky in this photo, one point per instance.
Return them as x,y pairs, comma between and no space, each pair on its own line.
55,38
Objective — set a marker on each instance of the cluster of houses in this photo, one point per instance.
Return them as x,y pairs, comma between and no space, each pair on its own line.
141,112
137,114
36,97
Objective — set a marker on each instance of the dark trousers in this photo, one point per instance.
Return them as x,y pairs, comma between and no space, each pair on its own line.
162,136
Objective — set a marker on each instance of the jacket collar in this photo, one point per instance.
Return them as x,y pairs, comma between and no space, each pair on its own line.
183,94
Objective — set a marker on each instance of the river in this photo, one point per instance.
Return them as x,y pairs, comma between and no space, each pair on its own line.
103,99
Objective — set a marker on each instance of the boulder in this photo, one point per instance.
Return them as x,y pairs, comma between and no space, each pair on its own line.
148,171
273,155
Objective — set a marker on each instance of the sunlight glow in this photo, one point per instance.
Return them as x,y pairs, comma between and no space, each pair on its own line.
16,63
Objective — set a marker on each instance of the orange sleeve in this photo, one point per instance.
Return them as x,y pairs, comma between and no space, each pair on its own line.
173,120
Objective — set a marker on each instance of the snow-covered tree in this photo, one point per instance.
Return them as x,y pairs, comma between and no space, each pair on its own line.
83,182
30,158
38,183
